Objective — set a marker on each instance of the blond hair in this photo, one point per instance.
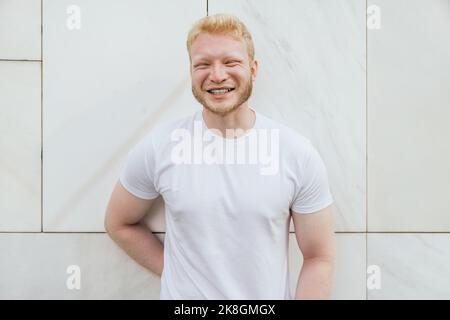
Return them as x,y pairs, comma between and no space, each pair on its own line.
223,24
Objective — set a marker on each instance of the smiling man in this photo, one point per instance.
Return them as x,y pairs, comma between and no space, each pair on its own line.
222,78
227,221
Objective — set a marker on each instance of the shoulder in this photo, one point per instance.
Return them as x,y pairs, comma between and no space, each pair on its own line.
291,140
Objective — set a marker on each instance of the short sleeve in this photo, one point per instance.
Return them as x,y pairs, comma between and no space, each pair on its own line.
313,190
137,175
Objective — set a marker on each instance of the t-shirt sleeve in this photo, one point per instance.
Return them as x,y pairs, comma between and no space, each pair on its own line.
137,175
312,189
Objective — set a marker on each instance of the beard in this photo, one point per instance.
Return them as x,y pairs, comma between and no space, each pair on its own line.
225,107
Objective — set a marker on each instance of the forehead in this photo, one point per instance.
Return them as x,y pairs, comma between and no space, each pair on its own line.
216,46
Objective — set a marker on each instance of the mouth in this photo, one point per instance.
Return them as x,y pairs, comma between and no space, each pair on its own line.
220,92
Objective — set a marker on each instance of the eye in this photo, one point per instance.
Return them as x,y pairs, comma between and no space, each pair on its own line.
232,63
201,65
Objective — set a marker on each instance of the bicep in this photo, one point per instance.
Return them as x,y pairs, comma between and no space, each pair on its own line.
124,208
315,233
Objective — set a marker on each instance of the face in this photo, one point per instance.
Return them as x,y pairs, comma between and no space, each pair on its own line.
222,73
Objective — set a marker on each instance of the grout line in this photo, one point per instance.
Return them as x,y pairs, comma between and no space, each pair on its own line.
54,232
367,153
42,115
402,232
290,232
60,232
21,60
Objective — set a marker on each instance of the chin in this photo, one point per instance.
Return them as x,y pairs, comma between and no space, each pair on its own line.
220,109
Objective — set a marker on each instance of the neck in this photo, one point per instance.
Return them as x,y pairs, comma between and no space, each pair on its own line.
242,118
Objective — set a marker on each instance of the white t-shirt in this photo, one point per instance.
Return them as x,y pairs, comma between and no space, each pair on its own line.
227,220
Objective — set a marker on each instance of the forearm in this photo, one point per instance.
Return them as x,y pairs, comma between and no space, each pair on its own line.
141,245
316,279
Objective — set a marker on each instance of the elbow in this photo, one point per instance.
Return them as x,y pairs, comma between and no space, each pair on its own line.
328,259
113,227
107,224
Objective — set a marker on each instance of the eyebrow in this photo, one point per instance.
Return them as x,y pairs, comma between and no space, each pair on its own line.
203,58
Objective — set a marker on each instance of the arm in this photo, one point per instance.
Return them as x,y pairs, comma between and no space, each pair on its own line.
316,239
122,223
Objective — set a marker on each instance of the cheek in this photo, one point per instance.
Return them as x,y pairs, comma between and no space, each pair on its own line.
240,71
241,76
198,79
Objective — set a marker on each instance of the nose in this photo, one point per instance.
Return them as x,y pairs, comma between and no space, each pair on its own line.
218,73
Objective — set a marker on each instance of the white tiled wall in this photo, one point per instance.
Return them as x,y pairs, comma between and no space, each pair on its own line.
408,149
413,266
409,94
20,29
94,91
34,266
20,146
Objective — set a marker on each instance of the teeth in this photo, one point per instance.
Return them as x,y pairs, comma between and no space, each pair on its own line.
219,91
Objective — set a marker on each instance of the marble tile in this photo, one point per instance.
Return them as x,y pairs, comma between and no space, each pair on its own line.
408,113
412,266
312,78
350,279
20,29
34,266
105,85
20,146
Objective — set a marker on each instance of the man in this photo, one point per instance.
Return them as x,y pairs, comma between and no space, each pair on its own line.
227,221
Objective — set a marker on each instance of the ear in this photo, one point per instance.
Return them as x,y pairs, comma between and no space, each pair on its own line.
254,69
